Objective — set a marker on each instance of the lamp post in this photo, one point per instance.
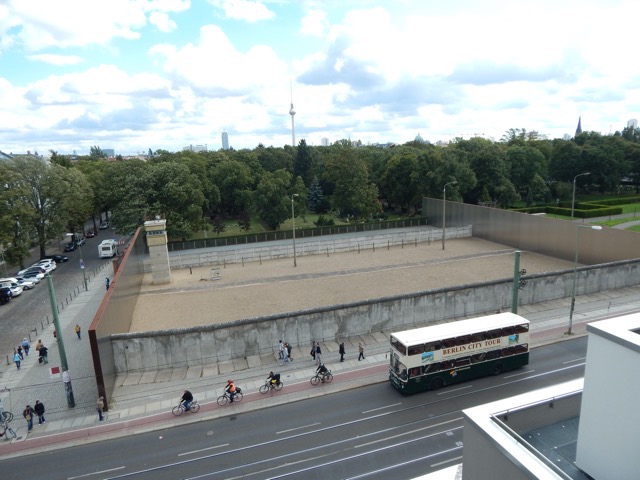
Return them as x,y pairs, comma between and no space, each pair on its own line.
4,262
575,269
293,218
84,276
444,203
66,378
573,197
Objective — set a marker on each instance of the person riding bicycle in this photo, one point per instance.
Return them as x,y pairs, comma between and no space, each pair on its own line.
322,371
275,378
231,389
186,400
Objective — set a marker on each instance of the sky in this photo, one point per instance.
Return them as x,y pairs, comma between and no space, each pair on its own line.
134,75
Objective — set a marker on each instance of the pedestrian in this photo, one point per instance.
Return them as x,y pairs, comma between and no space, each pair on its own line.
77,330
361,350
27,413
38,345
20,352
313,351
17,359
342,351
25,346
55,334
318,356
280,350
39,409
100,407
289,348
107,282
44,355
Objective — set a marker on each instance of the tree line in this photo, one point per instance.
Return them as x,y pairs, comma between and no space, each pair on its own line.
41,200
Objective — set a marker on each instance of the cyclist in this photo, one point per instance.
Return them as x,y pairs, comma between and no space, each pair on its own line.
231,389
322,371
275,378
186,400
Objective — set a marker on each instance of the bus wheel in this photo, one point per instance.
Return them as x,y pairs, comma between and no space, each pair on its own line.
436,383
497,369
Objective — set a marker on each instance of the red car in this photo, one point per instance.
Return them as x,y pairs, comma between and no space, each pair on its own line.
90,234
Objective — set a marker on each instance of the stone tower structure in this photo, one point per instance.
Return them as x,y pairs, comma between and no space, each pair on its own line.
156,231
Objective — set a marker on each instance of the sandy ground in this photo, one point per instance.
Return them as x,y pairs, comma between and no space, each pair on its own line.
273,287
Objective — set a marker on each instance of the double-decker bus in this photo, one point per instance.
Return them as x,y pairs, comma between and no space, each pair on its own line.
430,357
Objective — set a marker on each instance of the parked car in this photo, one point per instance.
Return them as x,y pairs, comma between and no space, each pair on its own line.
91,234
33,274
40,268
5,295
26,283
104,225
47,264
80,241
15,289
36,280
57,258
70,247
14,282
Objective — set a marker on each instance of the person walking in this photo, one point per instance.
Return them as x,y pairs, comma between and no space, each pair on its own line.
313,351
20,352
39,409
280,350
318,356
289,348
38,345
55,334
26,346
44,355
27,413
100,408
17,359
341,351
361,350
78,330
107,282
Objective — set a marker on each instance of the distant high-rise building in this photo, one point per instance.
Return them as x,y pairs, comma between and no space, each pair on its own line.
225,141
633,123
579,128
195,148
324,142
109,152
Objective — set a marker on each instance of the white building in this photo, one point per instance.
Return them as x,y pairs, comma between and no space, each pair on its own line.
225,141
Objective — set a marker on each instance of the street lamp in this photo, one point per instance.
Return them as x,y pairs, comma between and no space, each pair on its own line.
573,197
575,269
84,276
4,262
444,203
293,218
66,378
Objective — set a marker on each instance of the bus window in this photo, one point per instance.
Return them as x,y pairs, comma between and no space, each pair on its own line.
478,337
522,328
507,331
463,362
415,372
448,342
508,351
448,365
478,357
493,334
493,354
463,340
398,346
432,346
434,367
521,348
416,349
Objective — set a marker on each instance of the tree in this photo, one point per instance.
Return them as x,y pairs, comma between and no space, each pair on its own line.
235,184
526,171
397,180
96,153
303,166
315,198
272,199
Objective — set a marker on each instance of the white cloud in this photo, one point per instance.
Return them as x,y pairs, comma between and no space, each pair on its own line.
162,21
314,23
248,10
56,59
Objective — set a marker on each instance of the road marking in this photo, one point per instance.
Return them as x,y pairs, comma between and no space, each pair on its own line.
446,461
298,428
576,360
381,408
518,374
409,432
203,449
96,473
451,390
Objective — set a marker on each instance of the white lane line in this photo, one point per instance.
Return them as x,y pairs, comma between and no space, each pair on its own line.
451,390
298,428
203,449
445,462
576,360
518,374
381,408
96,473
409,432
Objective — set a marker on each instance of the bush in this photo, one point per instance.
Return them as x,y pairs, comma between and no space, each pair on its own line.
324,222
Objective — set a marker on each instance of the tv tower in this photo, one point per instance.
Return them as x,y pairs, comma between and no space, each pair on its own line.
292,112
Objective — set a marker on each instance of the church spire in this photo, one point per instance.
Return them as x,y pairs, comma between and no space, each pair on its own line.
579,128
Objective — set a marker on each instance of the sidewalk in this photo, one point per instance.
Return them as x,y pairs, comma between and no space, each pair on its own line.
142,402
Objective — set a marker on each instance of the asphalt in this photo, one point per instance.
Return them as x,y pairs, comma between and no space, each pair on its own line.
143,402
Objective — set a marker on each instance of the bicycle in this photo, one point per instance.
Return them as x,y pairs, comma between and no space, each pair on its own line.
179,409
5,429
321,378
225,398
268,385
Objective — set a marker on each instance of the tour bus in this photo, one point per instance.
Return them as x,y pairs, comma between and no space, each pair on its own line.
430,357
108,248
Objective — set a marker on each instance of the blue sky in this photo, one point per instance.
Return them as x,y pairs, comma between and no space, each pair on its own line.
162,74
